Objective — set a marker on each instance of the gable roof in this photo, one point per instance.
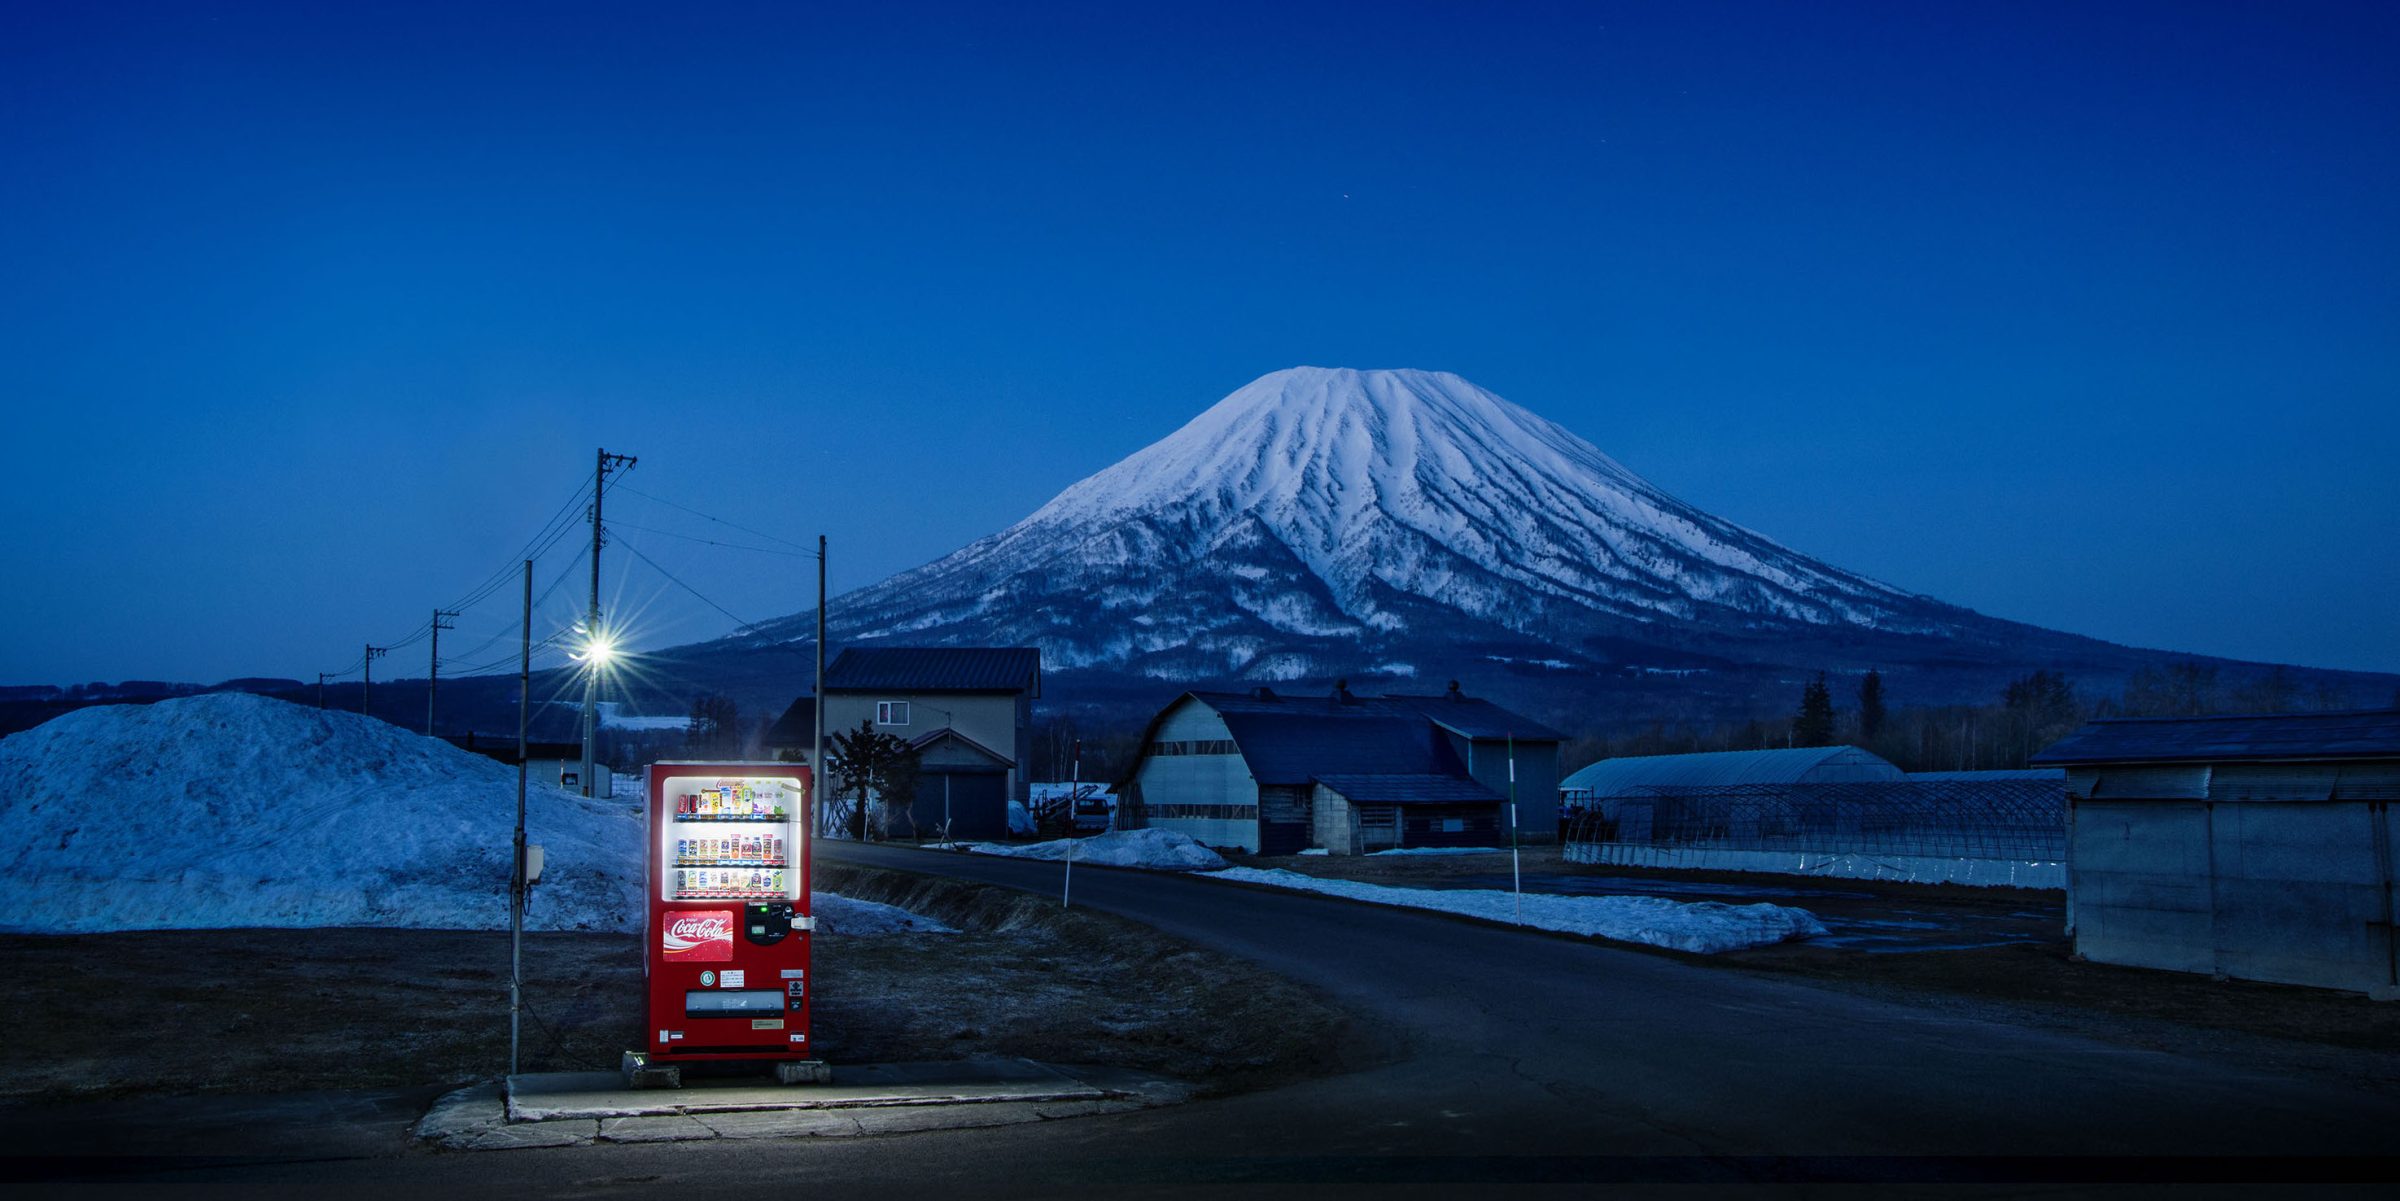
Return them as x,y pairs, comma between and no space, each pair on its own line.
936,669
2352,734
1283,749
1783,765
797,726
1387,789
925,742
1466,716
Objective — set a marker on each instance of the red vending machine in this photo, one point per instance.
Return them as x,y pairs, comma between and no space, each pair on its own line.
728,933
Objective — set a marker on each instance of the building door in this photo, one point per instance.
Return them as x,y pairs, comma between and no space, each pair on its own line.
2301,892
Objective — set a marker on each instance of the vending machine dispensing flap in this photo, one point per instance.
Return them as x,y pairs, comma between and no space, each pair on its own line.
767,924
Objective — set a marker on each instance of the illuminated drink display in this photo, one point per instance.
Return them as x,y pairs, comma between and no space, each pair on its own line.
729,929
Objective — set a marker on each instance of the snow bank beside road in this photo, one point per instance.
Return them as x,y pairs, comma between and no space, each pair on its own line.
1158,850
232,810
1704,927
847,917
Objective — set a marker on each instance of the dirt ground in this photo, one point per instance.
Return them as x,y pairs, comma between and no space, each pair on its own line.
2001,954
261,1011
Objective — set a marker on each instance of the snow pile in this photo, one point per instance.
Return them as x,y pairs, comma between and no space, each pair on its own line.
234,810
1160,850
1703,927
848,917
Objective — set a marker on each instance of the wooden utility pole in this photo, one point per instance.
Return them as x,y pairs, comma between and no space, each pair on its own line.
516,880
366,683
591,620
816,753
433,672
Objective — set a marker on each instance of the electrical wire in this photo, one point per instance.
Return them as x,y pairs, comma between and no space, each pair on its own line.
544,598
810,551
537,649
747,626
764,550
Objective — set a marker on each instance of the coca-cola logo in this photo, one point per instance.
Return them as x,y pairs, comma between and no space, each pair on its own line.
705,936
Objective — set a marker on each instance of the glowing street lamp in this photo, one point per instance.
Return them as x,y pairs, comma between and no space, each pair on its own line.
598,651
598,648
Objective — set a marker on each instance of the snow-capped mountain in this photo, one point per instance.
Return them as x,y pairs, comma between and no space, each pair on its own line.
1320,522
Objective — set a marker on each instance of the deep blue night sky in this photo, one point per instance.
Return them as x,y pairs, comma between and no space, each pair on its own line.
2085,315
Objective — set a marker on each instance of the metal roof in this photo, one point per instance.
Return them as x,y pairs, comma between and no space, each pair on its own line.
1295,748
1793,765
797,726
1467,716
2353,734
936,669
925,742
1969,777
1409,789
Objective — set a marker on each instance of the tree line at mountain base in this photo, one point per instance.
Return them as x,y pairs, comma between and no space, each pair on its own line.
2031,712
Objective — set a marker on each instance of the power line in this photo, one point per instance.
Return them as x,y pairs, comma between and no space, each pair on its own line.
671,578
573,562
807,550
764,550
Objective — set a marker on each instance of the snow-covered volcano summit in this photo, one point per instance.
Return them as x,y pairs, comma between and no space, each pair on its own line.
1321,521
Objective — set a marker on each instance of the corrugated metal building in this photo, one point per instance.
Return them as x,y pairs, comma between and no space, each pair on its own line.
1276,774
2257,847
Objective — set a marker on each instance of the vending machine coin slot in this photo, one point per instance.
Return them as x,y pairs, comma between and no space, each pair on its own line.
768,924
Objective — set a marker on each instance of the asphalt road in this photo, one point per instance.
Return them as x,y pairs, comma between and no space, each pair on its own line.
1500,1057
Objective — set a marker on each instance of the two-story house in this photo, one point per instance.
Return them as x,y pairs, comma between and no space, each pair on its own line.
968,712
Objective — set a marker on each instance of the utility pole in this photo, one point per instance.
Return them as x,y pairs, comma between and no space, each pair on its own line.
591,627
366,682
320,690
516,881
433,672
816,752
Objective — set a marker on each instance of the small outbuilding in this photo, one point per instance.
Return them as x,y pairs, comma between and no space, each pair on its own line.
2257,847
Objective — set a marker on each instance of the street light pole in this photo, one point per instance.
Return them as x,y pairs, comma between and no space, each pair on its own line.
591,628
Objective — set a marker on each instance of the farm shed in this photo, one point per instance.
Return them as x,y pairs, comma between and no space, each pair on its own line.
2258,847
1275,774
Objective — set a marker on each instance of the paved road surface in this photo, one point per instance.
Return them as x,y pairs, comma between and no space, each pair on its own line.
1515,1057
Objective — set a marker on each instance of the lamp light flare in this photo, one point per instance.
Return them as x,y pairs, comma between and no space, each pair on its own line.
598,649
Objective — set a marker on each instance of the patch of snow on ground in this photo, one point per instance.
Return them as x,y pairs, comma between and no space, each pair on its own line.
1159,850
231,810
843,916
1702,927
1441,851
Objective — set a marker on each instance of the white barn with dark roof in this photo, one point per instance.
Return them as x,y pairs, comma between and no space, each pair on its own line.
1273,774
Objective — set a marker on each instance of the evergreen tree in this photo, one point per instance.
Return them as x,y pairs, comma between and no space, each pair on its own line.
1870,705
1814,726
868,765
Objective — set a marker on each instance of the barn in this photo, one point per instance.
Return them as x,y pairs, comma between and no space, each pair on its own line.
2253,847
1351,774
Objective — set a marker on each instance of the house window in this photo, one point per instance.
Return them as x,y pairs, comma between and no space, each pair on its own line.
891,713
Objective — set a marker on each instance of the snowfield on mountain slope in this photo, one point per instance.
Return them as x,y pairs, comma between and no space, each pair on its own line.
1331,516
229,810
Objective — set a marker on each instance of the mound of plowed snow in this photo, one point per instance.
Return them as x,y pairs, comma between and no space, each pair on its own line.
1160,850
235,810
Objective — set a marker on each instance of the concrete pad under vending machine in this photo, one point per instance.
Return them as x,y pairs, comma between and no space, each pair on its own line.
551,1096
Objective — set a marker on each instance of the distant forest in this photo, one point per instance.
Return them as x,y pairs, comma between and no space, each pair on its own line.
2032,712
